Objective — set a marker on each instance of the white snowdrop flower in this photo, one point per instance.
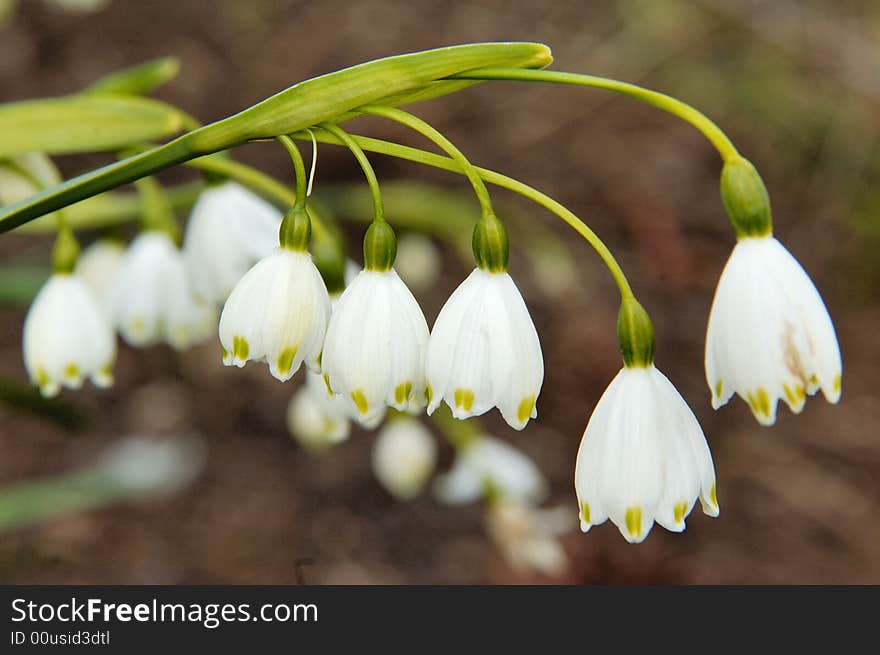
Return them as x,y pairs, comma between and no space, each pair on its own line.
316,418
228,230
489,466
529,537
67,337
278,313
374,354
770,336
152,300
98,266
485,352
418,261
404,456
643,458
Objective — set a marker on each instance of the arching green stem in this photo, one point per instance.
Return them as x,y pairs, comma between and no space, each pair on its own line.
299,169
659,100
426,130
369,173
446,163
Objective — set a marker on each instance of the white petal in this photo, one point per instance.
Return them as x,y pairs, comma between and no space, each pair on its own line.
228,230
98,266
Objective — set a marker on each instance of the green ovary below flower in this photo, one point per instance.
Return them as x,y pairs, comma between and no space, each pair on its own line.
770,336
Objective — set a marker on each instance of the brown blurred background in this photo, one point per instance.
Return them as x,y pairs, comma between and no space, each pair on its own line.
796,85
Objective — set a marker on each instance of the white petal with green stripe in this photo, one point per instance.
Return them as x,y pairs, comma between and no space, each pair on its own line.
484,351
770,336
67,337
643,458
277,313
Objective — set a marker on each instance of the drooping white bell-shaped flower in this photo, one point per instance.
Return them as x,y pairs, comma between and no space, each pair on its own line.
67,337
643,458
485,352
770,336
98,266
528,537
278,313
404,456
152,300
374,354
489,466
316,418
228,230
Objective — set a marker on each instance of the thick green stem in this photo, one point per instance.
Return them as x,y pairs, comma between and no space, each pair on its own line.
659,100
429,132
369,173
446,163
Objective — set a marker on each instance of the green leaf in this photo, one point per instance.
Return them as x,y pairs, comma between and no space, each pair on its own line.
89,123
328,98
138,80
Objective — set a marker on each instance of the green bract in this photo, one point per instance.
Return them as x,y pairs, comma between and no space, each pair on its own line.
84,123
138,80
333,97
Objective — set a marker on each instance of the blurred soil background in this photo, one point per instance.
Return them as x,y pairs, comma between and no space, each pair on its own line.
796,85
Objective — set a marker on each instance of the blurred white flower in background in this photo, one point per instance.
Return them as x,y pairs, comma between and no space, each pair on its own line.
404,455
528,536
80,6
418,261
142,465
316,418
643,458
229,229
278,313
98,266
489,467
67,337
153,300
484,352
770,336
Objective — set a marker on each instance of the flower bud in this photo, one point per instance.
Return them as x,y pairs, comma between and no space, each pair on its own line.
635,333
745,199
380,247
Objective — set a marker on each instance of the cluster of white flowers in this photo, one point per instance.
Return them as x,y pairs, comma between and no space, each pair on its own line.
374,349
149,292
643,457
